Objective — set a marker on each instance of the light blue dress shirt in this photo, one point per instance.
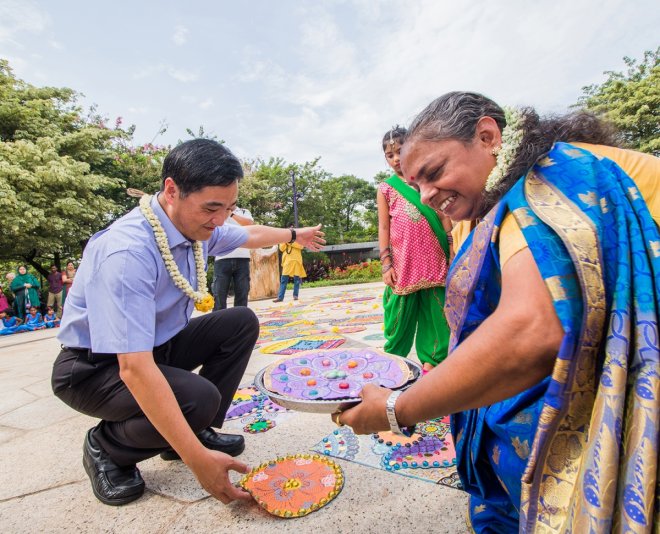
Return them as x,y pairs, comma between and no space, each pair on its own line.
123,299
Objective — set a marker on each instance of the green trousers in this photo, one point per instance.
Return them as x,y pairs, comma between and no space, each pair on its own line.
422,311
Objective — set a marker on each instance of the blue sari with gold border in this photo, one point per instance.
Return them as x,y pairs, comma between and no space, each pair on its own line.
578,452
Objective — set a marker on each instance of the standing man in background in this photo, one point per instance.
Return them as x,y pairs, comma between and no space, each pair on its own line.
55,288
233,266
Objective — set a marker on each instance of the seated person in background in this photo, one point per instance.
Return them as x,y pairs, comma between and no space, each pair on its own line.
50,319
11,324
34,320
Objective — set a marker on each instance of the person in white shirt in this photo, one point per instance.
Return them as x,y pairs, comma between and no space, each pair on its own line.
233,266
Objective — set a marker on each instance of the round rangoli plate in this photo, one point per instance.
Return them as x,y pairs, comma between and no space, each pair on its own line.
322,381
294,486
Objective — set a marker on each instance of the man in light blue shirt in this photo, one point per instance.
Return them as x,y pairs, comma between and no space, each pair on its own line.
129,343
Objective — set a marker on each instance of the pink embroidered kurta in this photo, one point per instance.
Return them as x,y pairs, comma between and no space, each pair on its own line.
418,259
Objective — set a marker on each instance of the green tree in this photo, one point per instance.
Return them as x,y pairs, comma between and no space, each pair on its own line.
63,172
51,194
267,192
381,176
631,101
340,204
347,199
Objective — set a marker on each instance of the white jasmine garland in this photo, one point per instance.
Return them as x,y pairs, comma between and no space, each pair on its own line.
203,300
512,136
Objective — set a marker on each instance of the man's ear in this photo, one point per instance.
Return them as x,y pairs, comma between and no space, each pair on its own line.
170,190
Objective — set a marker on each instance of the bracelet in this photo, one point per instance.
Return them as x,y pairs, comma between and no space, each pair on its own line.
293,235
385,268
382,258
385,252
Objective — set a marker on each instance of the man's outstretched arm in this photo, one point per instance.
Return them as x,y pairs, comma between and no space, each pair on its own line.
259,236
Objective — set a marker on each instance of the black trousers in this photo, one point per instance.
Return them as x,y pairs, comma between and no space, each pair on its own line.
225,271
221,342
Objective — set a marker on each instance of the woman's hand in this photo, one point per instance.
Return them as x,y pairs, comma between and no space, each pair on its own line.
389,276
28,285
370,415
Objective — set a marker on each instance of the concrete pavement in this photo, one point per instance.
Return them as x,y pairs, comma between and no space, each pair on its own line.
43,487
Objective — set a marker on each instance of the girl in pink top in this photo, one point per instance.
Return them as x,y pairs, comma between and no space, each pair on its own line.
414,253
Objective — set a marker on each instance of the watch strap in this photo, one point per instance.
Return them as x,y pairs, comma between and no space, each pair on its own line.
391,416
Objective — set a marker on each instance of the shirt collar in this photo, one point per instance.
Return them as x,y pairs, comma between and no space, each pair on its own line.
174,237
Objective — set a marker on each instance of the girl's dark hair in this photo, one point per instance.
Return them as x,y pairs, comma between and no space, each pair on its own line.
395,134
200,163
455,116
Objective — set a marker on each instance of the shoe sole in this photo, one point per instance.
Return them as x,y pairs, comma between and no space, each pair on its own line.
117,502
172,455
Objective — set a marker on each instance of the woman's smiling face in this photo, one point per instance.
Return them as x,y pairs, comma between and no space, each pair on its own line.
451,174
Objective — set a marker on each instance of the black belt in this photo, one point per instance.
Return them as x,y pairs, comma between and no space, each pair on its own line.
161,351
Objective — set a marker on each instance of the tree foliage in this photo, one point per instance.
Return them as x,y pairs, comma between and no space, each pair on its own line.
63,174
631,101
338,202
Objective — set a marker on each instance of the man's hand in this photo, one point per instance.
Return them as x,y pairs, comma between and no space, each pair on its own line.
370,415
310,237
212,470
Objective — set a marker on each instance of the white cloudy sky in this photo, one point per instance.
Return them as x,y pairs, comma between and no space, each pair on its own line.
300,79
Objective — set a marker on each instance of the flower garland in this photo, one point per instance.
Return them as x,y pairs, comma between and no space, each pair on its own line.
203,300
512,136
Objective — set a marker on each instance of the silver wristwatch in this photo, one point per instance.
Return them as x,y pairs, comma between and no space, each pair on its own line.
391,415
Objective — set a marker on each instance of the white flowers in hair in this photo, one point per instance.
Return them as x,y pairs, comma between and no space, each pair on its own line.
203,300
512,136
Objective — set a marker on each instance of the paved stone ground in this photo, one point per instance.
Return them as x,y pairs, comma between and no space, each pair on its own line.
43,487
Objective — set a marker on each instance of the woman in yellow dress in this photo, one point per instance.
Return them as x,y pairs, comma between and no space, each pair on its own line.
292,266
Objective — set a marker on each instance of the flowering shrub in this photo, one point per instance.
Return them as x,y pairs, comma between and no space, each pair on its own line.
366,270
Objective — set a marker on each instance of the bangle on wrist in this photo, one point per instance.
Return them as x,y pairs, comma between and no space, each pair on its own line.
293,235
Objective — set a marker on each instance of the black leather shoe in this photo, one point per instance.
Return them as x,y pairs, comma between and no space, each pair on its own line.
112,484
231,444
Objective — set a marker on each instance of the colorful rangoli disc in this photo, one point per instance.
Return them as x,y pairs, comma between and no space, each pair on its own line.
334,374
342,443
359,319
291,346
287,332
348,329
285,322
259,426
294,486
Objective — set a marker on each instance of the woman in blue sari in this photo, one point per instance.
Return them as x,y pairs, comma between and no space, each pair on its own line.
553,373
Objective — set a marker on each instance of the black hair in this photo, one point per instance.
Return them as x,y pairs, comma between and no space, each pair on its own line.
201,163
395,134
455,116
